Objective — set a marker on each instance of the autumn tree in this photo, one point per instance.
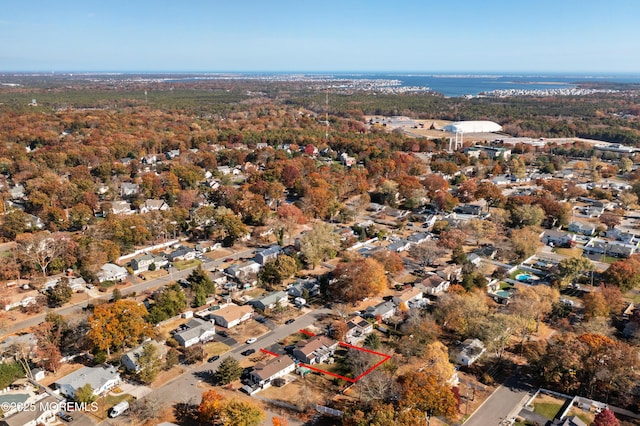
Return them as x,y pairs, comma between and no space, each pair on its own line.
526,215
479,229
610,219
241,413
319,244
605,418
436,361
525,241
118,325
210,408
149,362
452,238
355,280
423,392
392,262
277,270
491,193
462,313
624,273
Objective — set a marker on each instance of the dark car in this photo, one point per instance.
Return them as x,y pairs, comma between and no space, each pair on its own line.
229,259
64,416
248,352
290,321
214,358
261,320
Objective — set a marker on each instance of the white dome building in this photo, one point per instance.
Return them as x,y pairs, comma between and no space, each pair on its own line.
473,127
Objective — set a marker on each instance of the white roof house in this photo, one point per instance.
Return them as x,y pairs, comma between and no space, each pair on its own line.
100,378
473,127
112,272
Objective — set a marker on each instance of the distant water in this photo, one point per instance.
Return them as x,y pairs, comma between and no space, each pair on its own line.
455,85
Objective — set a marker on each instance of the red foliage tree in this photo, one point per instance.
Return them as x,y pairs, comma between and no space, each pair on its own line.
605,418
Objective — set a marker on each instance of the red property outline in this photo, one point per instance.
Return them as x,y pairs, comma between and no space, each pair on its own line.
385,358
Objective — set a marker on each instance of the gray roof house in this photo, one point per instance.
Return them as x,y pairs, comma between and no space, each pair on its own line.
265,372
183,253
101,378
267,254
385,310
243,269
469,351
128,189
142,263
112,272
301,284
198,331
270,301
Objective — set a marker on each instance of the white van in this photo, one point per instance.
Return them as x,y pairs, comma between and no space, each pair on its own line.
118,409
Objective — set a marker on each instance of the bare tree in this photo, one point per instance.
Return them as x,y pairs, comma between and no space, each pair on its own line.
427,253
40,249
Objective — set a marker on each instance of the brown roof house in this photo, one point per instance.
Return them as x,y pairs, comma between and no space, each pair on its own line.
231,315
264,373
315,350
434,284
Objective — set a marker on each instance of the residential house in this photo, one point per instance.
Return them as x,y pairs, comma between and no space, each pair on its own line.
270,301
557,238
198,331
474,259
75,283
469,351
20,299
219,278
17,192
383,310
153,206
570,421
242,270
434,284
487,251
149,159
101,379
358,329
130,359
451,273
265,372
27,342
610,248
409,297
226,170
40,412
399,246
419,237
583,228
474,209
112,272
128,189
142,263
183,253
315,350
174,153
298,288
231,315
267,254
117,207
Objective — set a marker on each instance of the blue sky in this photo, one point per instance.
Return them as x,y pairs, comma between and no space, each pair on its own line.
347,35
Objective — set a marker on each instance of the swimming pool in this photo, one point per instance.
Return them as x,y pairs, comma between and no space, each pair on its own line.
526,278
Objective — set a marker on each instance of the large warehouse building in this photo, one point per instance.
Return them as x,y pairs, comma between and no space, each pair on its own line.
473,127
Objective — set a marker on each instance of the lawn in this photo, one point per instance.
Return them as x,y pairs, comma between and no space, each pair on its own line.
294,338
186,264
215,348
547,406
105,403
516,273
571,252
585,416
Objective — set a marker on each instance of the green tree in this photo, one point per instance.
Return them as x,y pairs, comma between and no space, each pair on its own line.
228,371
571,267
372,341
169,303
60,294
149,362
274,272
319,244
84,394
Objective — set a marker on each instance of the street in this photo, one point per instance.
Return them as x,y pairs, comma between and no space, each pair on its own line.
504,404
136,287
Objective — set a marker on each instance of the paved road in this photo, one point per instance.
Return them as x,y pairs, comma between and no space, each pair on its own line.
503,404
137,287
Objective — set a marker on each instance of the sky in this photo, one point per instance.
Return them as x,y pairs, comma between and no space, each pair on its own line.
572,36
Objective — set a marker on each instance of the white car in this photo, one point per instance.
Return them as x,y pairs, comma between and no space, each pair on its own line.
252,340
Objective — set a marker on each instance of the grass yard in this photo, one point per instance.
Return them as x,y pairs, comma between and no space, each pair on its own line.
186,264
547,405
294,338
585,416
516,273
571,252
105,403
215,348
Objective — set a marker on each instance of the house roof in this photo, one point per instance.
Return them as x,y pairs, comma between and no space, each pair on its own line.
95,376
309,346
196,328
270,298
134,353
269,368
154,204
432,281
232,312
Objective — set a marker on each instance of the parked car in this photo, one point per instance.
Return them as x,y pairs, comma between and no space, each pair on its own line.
251,340
214,358
248,352
229,259
65,417
290,321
